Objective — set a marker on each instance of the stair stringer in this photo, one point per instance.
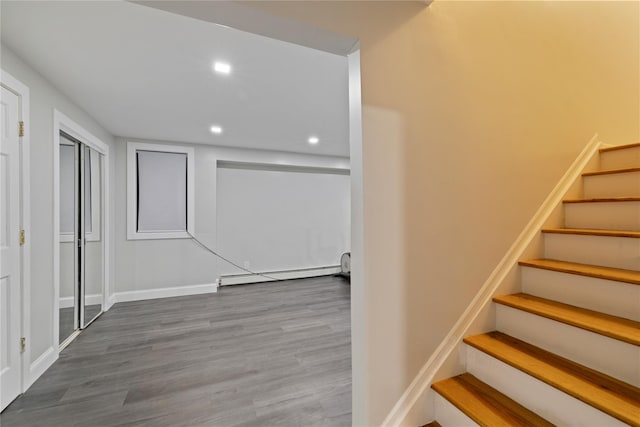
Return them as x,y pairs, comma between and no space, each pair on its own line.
416,405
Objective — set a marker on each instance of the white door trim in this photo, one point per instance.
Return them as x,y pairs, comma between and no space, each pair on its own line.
22,90
62,122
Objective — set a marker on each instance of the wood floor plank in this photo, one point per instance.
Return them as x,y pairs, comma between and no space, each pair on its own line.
611,326
486,405
608,273
266,354
614,397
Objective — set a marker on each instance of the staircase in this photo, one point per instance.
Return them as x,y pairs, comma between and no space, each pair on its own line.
567,348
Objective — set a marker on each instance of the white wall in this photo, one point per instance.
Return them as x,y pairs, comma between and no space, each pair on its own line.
44,98
282,220
155,264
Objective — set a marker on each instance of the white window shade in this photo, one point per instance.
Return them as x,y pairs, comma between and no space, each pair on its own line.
162,191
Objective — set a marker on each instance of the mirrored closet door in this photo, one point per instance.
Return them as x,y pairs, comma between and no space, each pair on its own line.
69,308
93,254
81,237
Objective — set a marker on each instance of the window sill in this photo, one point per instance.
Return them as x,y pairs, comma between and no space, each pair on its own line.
159,235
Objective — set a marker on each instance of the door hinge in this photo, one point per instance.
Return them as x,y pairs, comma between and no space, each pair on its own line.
20,128
23,344
22,238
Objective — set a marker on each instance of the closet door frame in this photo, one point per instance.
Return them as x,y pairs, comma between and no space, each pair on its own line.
62,122
73,236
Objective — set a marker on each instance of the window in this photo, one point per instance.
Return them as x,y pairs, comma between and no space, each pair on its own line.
159,191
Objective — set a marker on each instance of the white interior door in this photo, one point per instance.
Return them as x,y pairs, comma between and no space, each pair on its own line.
10,280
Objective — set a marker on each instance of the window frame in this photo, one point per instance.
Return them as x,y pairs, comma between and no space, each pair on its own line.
132,191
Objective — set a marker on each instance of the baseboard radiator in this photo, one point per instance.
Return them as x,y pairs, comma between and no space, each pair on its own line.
245,278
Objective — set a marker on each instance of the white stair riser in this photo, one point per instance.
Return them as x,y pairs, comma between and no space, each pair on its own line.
603,215
448,415
606,251
612,185
618,159
548,402
579,345
606,296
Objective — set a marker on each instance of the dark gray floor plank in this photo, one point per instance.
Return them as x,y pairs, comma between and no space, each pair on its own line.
255,355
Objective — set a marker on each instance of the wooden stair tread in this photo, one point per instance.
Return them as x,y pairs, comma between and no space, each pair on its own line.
619,147
484,404
616,398
593,232
611,171
608,273
604,324
603,200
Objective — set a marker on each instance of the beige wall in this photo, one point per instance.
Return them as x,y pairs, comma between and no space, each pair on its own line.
472,112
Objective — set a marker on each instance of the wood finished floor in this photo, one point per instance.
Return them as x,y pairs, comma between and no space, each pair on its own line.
275,354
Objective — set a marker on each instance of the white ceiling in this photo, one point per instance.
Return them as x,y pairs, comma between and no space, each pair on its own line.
147,73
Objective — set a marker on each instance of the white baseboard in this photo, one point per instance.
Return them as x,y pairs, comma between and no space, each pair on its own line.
176,291
40,365
420,386
110,301
244,278
67,302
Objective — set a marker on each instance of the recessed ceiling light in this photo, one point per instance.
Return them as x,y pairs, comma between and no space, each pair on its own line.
313,140
216,129
222,67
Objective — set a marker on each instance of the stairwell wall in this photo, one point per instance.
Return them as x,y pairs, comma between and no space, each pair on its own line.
472,111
